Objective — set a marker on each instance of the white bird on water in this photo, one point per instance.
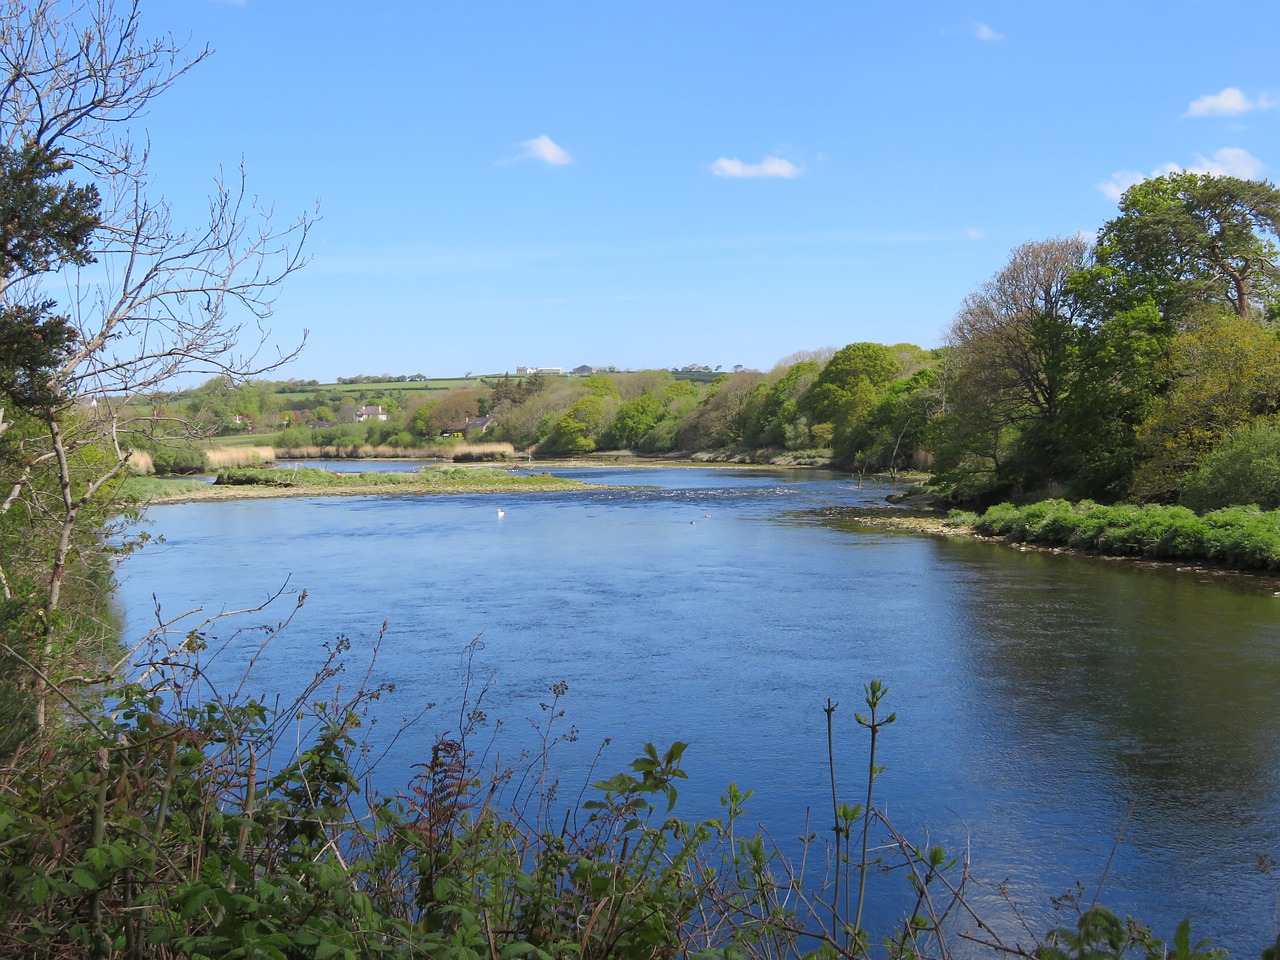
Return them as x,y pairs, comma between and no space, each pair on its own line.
501,513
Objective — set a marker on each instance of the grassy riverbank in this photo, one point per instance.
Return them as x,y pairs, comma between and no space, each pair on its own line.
249,484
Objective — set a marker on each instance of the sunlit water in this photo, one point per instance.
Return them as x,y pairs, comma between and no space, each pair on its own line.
1053,712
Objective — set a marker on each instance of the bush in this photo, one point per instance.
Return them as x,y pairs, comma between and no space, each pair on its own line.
1243,537
1244,469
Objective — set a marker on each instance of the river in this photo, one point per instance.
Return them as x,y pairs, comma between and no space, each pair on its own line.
1059,718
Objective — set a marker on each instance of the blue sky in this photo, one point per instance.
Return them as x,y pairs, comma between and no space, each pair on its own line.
657,184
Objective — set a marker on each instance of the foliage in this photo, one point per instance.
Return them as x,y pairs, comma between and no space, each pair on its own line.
850,383
1243,469
1221,375
44,225
774,407
719,419
634,419
892,433
577,429
1244,538
1186,241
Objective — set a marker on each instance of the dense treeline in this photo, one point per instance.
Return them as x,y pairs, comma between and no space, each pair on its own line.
1144,366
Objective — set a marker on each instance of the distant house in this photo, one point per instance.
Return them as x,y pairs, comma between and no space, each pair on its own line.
530,371
370,413
584,370
480,424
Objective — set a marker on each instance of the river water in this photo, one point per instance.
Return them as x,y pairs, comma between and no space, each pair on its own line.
1059,718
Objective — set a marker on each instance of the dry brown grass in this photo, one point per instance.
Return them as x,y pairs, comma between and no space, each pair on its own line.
365,452
140,463
221,457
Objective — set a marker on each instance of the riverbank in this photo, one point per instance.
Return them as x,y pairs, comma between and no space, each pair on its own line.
314,482
934,523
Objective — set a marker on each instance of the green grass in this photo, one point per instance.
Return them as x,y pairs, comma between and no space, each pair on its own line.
312,481
160,488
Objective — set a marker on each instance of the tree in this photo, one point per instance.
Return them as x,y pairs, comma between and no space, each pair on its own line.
1014,342
894,432
577,429
1186,241
161,301
44,225
1222,375
634,419
774,406
850,383
719,419
1243,469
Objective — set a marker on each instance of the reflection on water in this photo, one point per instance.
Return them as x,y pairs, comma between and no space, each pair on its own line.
1047,704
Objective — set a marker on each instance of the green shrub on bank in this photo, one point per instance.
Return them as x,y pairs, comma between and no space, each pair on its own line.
1243,469
1244,538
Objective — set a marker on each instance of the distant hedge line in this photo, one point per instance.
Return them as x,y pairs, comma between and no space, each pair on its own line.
1244,538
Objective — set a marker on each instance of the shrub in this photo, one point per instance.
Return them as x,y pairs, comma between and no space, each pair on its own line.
1242,470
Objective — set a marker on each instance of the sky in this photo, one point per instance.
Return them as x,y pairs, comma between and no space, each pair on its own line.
657,184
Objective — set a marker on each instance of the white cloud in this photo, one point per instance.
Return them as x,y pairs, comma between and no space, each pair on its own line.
1229,103
983,32
768,167
1227,162
545,149
973,233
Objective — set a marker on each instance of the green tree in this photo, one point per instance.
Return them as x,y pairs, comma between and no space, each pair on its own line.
600,385
576,430
850,383
45,225
897,429
774,406
1185,241
634,419
1244,469
1221,376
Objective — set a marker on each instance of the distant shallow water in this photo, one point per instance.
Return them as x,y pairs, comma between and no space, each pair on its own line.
1047,704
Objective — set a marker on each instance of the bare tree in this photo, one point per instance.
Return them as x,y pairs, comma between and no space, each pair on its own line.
149,299
1009,366
1013,331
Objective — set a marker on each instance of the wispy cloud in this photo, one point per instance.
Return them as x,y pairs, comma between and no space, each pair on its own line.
542,148
973,233
984,32
768,167
1231,102
1227,162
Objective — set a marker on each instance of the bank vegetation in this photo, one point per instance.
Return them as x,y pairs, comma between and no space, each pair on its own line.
147,811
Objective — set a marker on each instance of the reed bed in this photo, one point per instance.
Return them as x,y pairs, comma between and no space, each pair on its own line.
140,463
442,451
220,458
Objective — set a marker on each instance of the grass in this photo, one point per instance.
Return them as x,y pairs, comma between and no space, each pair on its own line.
310,481
147,489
